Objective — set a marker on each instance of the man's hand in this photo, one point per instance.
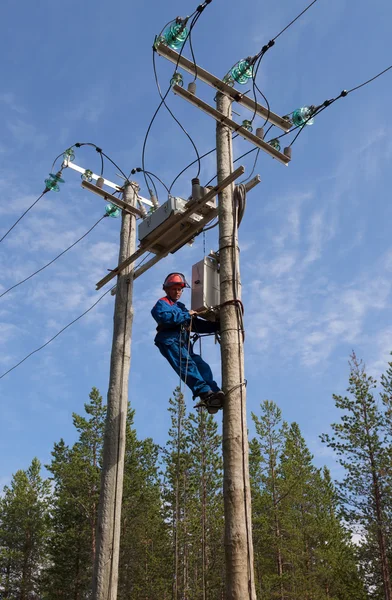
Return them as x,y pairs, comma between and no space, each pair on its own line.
193,312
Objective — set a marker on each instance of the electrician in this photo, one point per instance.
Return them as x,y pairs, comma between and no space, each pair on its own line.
173,331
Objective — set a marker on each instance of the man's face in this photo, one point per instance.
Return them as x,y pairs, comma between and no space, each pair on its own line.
174,292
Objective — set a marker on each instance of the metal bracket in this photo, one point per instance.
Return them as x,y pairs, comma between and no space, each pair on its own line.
132,210
182,218
220,117
107,182
223,87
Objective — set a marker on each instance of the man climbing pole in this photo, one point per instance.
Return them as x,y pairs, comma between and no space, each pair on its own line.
175,323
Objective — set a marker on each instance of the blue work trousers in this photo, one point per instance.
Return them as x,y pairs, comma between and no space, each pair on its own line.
192,369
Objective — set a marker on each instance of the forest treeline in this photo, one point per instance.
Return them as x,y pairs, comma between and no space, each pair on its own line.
314,539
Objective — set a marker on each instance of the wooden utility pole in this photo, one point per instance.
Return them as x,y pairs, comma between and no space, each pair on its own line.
105,577
240,584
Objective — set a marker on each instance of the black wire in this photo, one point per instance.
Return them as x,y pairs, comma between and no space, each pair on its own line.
54,259
61,330
193,55
188,166
158,179
116,165
154,187
55,336
369,80
294,20
255,87
253,169
25,212
163,99
172,114
236,160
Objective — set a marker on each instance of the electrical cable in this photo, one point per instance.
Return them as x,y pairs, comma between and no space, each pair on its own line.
150,175
369,80
61,330
236,160
25,212
54,259
294,20
57,334
192,163
195,16
327,103
254,167
163,102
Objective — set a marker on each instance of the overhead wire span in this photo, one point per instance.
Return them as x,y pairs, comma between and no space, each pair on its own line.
54,259
327,103
63,329
294,20
57,334
23,214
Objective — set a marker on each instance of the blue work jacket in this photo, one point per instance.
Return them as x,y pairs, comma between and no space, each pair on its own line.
173,317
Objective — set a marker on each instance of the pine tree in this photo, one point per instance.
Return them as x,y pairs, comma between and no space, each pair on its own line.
264,461
205,507
302,551
24,527
145,566
336,571
361,444
76,478
176,459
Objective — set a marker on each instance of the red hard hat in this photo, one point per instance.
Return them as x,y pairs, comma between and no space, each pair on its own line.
175,279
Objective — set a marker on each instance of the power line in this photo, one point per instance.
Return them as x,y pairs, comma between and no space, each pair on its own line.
327,103
64,328
369,80
54,259
25,212
294,20
57,334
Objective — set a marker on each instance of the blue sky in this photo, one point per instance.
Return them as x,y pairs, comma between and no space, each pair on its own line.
316,259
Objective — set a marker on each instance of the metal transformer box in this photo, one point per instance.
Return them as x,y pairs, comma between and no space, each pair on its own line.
159,216
160,230
205,286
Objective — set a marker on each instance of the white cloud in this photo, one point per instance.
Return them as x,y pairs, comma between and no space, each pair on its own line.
8,98
26,134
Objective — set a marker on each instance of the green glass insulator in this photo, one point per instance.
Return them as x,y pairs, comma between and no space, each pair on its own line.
51,185
275,144
302,116
247,125
177,80
242,72
112,210
69,154
175,35
57,177
52,182
87,175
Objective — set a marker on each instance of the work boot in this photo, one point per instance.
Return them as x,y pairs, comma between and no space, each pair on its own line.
212,401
